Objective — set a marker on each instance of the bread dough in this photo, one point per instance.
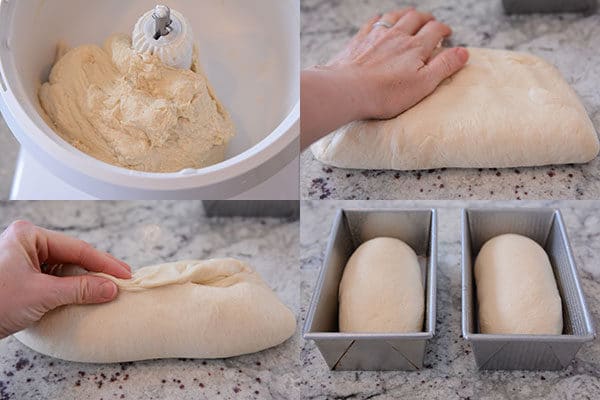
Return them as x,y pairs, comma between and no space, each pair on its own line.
131,110
381,290
504,109
516,289
188,309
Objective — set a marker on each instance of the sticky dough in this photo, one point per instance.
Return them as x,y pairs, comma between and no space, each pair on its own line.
381,290
504,109
516,289
188,309
132,111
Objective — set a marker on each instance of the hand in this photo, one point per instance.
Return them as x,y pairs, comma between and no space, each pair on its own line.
380,74
27,292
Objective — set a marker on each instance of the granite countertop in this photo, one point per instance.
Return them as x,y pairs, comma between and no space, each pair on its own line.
567,41
450,371
143,233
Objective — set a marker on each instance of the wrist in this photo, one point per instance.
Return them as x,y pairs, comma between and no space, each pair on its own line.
345,86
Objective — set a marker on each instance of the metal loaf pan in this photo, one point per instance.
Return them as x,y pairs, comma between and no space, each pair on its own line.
369,351
526,352
549,6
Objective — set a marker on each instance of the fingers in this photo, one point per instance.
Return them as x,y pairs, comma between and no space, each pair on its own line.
428,32
393,17
446,64
412,22
432,33
42,245
122,263
63,249
366,28
84,289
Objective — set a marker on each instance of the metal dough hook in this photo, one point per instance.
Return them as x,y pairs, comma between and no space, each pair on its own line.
166,33
162,18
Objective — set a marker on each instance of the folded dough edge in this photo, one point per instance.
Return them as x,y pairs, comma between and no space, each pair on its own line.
190,309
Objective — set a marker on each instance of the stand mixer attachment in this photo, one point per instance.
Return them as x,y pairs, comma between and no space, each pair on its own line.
167,34
163,21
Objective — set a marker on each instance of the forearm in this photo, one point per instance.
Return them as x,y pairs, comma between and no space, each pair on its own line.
328,101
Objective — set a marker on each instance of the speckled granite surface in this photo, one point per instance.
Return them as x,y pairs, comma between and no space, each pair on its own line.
143,233
450,371
568,41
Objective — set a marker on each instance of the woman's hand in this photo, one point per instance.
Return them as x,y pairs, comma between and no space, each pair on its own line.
27,292
389,66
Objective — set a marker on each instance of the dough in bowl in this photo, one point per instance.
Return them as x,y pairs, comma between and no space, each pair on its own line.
133,111
188,309
381,290
504,109
516,289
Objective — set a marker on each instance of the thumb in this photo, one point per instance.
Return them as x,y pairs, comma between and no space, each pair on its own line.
447,63
83,289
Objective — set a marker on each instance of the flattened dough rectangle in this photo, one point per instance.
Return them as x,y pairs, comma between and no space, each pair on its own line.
504,109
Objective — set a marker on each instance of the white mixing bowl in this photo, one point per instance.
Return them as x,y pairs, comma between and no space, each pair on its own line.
249,50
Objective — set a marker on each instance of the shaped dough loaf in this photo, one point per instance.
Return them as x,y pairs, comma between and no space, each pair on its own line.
516,289
504,109
189,309
381,289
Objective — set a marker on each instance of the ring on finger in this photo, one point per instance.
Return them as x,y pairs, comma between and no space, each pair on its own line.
383,24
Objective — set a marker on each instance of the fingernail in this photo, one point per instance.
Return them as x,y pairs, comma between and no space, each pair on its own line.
108,290
463,54
123,263
127,270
